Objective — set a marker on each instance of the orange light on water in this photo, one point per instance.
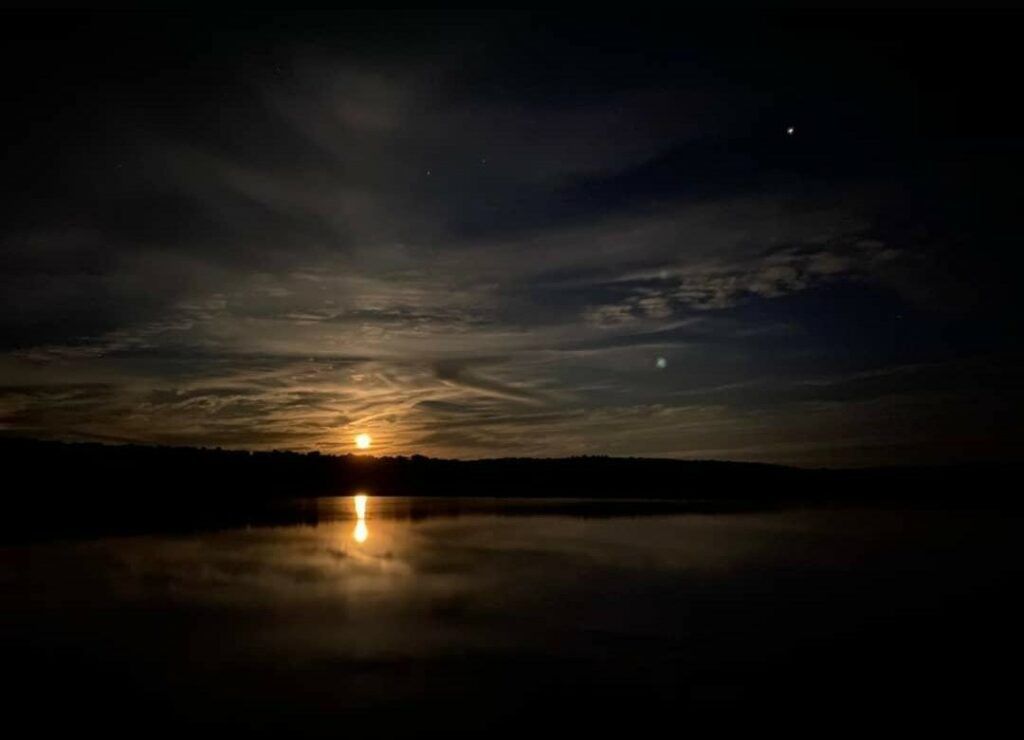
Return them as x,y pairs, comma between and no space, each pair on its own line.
361,532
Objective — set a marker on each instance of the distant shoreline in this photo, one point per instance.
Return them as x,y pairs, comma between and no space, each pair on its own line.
72,489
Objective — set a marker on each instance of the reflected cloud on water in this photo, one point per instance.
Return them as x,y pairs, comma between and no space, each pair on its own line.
449,604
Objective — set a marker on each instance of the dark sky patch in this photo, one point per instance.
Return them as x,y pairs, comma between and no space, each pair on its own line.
489,234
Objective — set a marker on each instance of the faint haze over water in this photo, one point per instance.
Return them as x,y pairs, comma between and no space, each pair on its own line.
477,613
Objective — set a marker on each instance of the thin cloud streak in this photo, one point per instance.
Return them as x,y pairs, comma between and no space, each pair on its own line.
457,262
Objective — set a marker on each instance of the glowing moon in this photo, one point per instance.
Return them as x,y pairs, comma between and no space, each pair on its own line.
363,441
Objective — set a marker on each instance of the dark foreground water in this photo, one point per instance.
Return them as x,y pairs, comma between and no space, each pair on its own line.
489,616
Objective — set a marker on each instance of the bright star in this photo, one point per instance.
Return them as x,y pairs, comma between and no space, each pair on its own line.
363,441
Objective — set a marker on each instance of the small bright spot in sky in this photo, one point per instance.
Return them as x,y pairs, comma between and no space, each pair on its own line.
791,130
661,363
363,441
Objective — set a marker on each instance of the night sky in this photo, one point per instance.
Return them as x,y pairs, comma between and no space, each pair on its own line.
779,237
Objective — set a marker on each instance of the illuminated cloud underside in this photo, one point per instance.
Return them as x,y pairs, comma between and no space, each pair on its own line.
387,249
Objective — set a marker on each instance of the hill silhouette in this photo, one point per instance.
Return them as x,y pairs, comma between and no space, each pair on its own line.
57,488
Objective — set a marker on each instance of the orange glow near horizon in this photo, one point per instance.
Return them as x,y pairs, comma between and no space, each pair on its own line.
363,441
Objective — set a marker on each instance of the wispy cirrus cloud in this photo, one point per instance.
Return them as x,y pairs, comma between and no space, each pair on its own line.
464,259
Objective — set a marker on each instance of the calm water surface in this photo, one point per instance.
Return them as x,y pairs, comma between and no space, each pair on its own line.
466,616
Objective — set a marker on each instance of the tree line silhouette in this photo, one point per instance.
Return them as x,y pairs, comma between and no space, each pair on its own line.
57,487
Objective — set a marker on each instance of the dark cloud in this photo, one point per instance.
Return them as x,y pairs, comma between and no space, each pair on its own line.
476,235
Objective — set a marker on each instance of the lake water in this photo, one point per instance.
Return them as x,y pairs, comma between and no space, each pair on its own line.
461,617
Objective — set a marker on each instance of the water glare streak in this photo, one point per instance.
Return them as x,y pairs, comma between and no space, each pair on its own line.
361,532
